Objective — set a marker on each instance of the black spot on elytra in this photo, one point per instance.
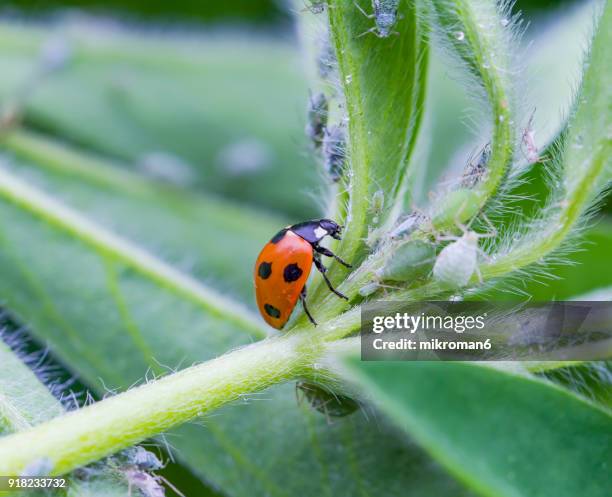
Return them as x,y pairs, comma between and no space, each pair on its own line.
279,236
265,270
292,272
272,311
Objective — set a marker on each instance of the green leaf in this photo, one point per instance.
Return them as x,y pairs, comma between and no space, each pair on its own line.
592,380
216,239
273,437
40,238
583,270
502,433
229,109
25,402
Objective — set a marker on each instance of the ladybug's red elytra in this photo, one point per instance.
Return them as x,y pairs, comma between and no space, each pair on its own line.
283,267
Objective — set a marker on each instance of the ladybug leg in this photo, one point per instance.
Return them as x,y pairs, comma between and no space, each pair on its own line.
329,253
322,269
303,299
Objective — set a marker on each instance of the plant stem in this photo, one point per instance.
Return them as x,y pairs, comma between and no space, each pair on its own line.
478,34
98,430
348,67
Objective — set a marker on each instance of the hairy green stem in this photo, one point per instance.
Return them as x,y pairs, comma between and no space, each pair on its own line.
98,430
360,160
478,34
544,240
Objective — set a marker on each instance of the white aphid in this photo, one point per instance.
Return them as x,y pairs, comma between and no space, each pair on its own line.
369,288
55,54
38,467
143,459
167,168
385,17
457,262
376,205
315,6
529,143
148,484
245,157
408,225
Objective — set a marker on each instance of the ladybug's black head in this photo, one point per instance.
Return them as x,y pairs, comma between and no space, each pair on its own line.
317,229
332,228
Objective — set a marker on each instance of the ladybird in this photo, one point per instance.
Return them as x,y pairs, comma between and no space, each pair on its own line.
284,264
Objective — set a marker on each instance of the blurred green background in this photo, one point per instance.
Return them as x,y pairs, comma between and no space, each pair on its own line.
270,13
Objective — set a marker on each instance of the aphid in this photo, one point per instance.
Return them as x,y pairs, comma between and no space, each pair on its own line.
149,484
408,225
55,54
476,169
458,261
315,6
369,288
143,481
377,204
528,140
327,61
143,459
462,203
318,109
38,467
284,264
334,152
384,15
324,401
410,261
